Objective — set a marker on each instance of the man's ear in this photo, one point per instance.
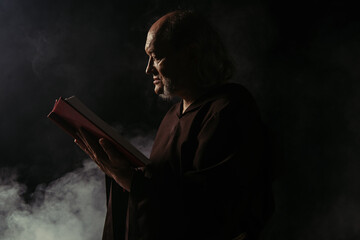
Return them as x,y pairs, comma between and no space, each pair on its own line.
192,52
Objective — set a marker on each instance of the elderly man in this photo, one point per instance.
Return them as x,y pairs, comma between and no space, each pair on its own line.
208,174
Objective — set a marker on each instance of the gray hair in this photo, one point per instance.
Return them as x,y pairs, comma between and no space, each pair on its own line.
186,28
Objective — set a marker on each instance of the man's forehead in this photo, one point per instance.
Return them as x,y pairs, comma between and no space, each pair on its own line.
156,43
149,45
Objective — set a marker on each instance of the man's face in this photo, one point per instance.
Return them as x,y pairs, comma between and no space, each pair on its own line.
168,66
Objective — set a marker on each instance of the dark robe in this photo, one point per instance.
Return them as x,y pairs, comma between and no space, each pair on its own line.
208,177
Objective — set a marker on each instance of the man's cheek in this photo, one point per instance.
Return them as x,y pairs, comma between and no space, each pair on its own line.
167,71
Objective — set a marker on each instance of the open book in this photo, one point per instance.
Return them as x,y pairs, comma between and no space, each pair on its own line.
71,115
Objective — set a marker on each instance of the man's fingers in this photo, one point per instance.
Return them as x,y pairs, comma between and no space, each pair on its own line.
84,141
97,153
82,146
87,137
103,152
91,143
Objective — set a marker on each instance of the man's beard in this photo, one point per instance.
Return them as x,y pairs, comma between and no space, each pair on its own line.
168,89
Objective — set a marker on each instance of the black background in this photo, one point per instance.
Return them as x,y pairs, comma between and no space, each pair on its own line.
300,60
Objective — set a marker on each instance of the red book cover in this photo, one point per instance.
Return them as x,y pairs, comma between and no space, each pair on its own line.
71,115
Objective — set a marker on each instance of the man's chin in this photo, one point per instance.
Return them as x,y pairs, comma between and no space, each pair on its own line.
163,92
165,97
158,90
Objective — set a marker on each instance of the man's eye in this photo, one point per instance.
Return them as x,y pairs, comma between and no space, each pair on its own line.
157,58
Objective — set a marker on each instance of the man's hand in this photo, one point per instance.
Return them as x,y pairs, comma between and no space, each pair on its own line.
107,157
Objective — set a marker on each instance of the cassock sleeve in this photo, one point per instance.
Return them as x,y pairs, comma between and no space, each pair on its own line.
219,196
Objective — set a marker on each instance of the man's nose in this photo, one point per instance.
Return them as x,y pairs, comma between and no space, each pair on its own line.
150,66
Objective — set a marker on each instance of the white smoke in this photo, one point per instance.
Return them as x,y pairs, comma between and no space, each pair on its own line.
72,207
69,208
143,143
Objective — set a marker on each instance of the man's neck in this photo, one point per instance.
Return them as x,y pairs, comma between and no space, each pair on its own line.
190,98
186,104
